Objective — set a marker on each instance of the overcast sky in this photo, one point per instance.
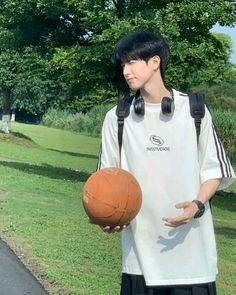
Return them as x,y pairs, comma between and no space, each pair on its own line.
232,33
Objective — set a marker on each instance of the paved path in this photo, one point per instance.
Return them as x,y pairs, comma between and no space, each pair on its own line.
15,278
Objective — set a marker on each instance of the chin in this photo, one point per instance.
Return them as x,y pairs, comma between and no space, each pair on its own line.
134,87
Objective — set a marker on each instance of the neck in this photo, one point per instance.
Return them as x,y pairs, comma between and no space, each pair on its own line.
154,92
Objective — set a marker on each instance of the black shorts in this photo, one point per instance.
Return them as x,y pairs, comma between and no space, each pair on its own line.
135,285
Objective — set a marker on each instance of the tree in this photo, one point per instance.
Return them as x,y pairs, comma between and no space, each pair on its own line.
24,83
9,61
76,38
196,54
34,88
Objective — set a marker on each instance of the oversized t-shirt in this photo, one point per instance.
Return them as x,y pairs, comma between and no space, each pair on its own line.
163,154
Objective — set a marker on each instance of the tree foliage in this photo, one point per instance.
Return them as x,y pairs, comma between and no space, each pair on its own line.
25,77
74,42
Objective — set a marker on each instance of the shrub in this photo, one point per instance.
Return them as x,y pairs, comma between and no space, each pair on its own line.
89,123
97,115
225,123
55,118
219,96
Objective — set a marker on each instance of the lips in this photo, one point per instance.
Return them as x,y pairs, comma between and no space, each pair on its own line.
130,80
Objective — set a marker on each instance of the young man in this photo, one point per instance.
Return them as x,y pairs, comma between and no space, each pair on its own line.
169,248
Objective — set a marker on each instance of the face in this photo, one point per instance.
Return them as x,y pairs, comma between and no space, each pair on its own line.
138,73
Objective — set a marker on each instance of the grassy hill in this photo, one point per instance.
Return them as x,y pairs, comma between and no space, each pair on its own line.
42,175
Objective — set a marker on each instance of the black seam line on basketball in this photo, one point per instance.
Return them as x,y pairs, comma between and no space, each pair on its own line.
126,205
223,155
113,207
218,154
107,179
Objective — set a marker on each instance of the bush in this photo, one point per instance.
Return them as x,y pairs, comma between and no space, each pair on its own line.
219,96
225,123
89,123
55,118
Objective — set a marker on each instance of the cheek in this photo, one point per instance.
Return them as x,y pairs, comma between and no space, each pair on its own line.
143,73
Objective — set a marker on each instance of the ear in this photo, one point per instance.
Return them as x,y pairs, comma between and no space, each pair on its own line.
156,61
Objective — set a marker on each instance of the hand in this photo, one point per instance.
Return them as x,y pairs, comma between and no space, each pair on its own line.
190,209
109,229
112,230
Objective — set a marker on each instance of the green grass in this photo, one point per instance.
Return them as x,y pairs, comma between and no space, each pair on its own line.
40,203
224,212
42,175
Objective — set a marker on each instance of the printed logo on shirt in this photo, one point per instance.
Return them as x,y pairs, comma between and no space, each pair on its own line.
156,140
158,143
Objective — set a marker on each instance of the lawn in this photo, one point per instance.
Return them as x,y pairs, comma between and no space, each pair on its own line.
42,175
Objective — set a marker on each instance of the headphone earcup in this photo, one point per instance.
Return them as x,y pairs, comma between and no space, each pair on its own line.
167,105
139,106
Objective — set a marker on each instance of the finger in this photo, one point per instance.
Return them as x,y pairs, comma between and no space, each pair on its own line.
119,228
174,224
123,227
182,205
174,220
115,229
105,228
111,230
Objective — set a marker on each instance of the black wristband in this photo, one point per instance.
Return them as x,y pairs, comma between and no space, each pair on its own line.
201,208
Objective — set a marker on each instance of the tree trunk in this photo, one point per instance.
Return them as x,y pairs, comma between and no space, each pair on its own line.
120,7
6,111
122,87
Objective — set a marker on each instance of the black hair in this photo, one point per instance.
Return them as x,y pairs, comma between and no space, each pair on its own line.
142,45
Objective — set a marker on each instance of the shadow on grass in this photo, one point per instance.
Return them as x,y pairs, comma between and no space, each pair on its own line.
20,135
15,134
48,171
228,232
17,138
75,154
225,201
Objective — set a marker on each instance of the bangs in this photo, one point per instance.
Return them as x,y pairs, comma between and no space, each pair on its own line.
124,55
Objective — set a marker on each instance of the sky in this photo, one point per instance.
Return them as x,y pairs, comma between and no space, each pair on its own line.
232,33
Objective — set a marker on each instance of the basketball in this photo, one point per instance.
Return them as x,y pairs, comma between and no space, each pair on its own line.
112,197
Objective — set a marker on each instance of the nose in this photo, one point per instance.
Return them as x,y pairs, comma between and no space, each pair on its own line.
126,70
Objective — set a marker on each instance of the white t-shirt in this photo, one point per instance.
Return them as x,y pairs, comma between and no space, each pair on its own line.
162,153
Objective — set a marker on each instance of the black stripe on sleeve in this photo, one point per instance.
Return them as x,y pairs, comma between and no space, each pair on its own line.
218,153
227,167
223,159
230,171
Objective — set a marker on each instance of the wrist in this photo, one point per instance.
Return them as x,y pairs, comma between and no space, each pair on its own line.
201,208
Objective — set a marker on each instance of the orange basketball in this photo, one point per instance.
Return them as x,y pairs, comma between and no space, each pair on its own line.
112,196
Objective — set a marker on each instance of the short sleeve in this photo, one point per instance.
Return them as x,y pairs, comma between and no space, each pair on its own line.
213,160
109,151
